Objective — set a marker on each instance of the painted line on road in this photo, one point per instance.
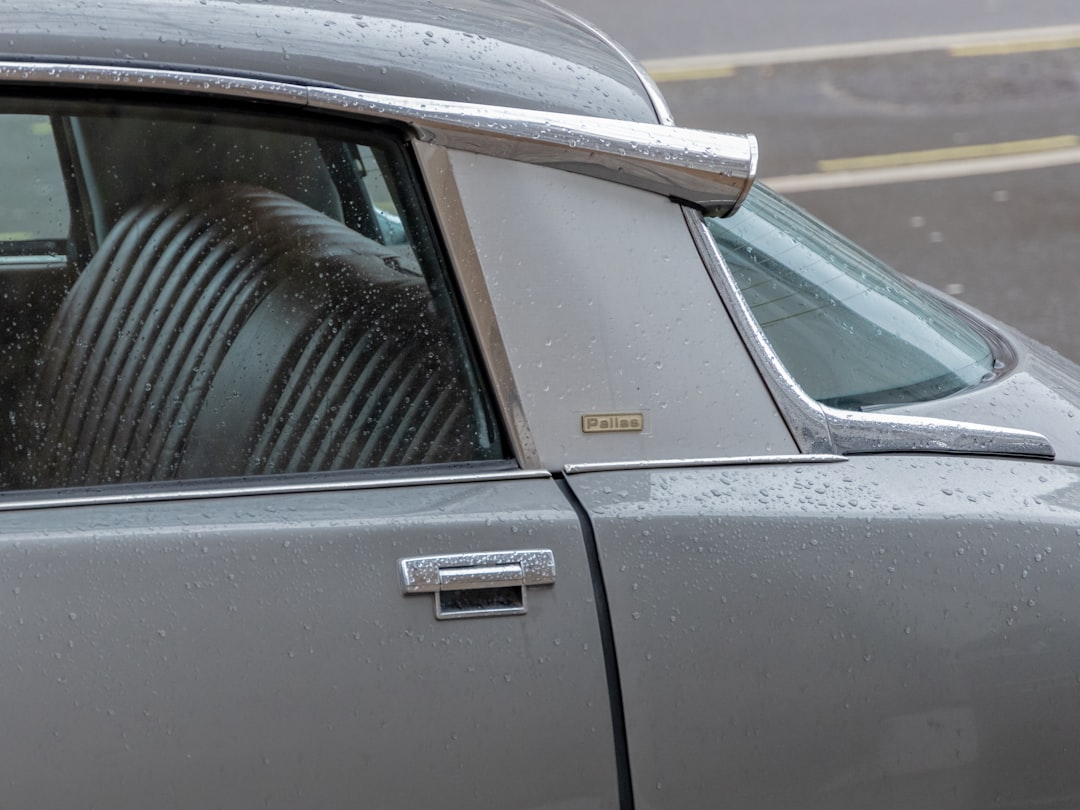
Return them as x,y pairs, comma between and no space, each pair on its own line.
717,70
690,68
944,170
1000,48
981,150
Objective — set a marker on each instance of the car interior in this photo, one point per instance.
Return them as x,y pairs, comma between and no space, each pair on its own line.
234,295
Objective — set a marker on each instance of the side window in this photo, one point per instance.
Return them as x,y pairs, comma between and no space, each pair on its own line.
261,300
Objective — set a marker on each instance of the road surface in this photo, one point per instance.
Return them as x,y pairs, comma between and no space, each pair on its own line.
942,136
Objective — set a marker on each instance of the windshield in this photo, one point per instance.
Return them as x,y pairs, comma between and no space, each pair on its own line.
850,331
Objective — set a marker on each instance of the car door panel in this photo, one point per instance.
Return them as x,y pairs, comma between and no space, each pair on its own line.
259,651
890,632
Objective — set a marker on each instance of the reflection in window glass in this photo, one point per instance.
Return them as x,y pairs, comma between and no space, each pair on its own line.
852,333
382,201
33,202
252,303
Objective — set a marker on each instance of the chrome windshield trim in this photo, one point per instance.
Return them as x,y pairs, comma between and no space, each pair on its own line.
726,461
707,170
817,428
804,416
465,264
153,493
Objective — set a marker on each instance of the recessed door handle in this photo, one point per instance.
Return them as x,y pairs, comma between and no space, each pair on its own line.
488,583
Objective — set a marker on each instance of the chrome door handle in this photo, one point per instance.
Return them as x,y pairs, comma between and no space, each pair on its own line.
488,583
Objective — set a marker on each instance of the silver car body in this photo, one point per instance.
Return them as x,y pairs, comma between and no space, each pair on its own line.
755,599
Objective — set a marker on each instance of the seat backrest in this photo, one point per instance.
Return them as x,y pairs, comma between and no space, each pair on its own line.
231,330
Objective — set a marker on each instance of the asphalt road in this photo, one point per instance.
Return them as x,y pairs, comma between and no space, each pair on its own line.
652,29
1004,235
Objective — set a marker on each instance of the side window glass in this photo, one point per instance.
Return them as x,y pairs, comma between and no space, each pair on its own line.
260,301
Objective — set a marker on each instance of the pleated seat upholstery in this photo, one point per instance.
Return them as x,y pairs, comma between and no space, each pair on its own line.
232,331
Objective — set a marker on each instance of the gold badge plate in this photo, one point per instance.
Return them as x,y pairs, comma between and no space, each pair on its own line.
612,422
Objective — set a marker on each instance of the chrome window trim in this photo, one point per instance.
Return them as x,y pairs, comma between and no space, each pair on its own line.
152,492
725,461
805,417
819,428
465,264
710,171
76,75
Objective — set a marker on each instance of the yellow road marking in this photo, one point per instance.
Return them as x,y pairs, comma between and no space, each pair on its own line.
944,170
16,236
41,128
999,48
948,153
692,74
720,65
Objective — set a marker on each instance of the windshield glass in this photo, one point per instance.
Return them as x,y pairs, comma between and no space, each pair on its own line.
850,331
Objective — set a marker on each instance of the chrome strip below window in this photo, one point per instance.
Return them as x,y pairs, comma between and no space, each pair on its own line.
727,461
187,491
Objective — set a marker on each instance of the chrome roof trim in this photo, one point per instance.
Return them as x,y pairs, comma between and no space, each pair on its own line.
710,171
652,89
450,214
159,493
726,461
512,52
817,428
77,75
707,170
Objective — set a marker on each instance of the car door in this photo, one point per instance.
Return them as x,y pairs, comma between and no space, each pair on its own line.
256,649
218,589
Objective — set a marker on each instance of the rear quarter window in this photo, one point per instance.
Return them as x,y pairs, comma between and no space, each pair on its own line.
853,333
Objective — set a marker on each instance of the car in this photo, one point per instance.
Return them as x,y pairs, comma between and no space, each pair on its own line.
399,409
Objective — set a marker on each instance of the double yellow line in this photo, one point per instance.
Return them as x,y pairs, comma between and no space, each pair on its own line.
1000,48
970,152
718,66
899,167
933,164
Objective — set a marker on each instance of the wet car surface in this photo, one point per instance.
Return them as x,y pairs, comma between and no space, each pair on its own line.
399,408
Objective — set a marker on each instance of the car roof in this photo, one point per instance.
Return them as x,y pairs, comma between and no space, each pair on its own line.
516,53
